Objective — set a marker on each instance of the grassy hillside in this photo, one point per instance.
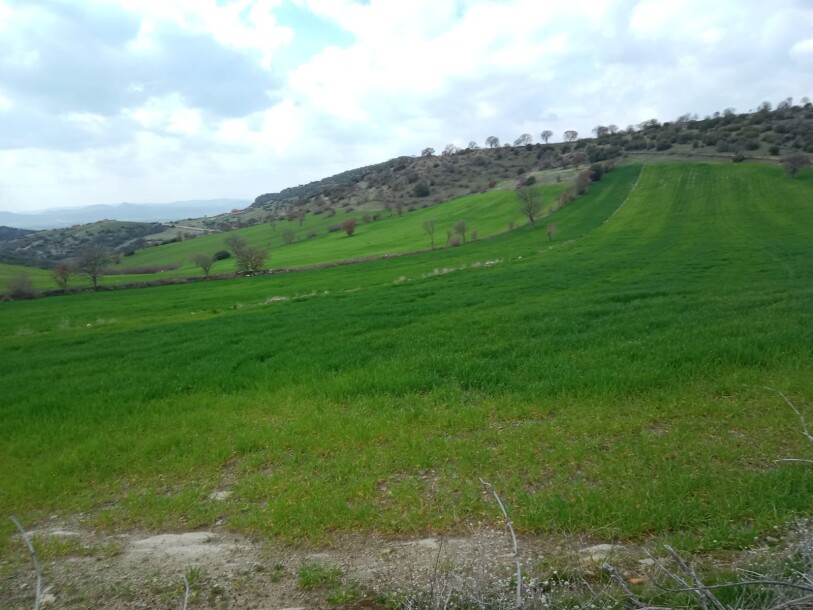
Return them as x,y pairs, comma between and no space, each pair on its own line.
487,213
610,381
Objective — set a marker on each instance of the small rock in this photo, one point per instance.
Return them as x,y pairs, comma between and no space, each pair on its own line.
647,562
599,552
771,540
220,495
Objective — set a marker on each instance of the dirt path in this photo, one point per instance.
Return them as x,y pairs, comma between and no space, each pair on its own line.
83,569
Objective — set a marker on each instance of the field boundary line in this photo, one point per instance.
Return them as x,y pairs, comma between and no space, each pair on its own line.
621,205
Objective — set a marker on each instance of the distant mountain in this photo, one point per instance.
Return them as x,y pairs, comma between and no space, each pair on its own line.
134,212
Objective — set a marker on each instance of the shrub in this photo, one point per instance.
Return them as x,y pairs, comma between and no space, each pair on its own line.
530,180
21,287
334,228
311,234
421,190
349,226
455,240
222,255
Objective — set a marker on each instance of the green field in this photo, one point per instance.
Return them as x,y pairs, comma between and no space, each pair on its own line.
486,213
611,381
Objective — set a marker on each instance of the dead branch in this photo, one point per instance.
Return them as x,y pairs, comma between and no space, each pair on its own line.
627,591
186,593
805,431
699,586
508,522
34,559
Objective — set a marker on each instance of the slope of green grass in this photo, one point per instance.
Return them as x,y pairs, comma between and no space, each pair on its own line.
487,213
41,278
611,381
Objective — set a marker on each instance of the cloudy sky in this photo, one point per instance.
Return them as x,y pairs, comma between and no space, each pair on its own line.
103,101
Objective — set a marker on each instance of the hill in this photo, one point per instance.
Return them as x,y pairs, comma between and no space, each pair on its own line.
133,212
410,183
44,248
767,133
611,380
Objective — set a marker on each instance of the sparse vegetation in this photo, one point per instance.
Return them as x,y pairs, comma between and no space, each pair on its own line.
204,262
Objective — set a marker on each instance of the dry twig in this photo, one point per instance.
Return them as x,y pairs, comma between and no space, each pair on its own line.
490,487
34,559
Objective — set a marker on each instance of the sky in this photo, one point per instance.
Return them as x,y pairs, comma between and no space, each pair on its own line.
104,101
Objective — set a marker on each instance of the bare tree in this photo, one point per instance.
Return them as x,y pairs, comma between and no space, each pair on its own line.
551,230
571,135
349,226
300,216
204,261
62,274
429,227
450,150
546,135
235,243
524,139
492,142
251,259
530,202
460,228
288,236
92,262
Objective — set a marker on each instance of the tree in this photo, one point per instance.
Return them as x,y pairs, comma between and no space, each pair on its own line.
300,216
429,227
530,202
428,152
235,243
551,229
794,162
524,139
612,128
600,130
288,236
92,262
62,274
349,226
546,135
571,135
473,145
493,142
450,150
460,229
204,261
251,259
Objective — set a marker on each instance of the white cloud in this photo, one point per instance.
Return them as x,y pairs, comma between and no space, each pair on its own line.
802,51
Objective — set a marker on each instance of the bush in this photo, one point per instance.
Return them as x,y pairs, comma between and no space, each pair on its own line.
421,189
349,226
334,228
222,255
22,287
530,180
311,234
